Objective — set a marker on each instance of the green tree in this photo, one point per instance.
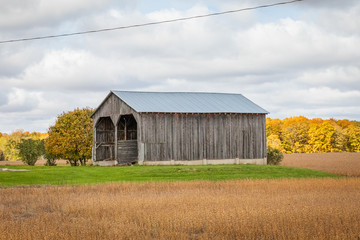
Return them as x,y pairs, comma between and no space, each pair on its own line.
71,137
50,159
30,150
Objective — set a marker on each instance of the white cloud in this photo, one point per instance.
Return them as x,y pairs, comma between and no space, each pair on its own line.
337,77
20,100
289,65
36,13
67,69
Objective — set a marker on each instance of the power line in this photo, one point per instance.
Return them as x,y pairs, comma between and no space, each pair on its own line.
148,24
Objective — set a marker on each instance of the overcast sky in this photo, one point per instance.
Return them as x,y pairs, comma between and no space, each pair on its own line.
296,59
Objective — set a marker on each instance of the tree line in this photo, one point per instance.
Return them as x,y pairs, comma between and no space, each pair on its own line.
10,143
71,138
303,135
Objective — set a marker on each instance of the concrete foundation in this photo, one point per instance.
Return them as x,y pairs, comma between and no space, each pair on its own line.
259,161
105,163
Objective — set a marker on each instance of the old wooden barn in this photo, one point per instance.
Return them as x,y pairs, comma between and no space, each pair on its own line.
178,128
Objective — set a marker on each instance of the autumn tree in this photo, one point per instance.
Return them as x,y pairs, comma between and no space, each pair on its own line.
322,137
11,151
295,134
71,137
2,148
353,132
274,141
273,127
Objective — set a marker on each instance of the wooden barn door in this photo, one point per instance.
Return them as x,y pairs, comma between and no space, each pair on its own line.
105,139
127,140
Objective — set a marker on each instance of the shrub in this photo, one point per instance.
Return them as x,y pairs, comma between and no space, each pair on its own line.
30,150
50,159
274,156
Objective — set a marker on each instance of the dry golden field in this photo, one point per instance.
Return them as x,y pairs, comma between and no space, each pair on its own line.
240,209
345,164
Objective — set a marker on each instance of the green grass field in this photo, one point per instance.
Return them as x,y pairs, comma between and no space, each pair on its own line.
60,175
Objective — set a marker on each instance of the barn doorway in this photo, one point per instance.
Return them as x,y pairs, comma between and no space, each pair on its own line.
127,139
127,128
105,139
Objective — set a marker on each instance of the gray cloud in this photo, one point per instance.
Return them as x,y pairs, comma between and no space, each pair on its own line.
291,65
329,3
37,13
19,100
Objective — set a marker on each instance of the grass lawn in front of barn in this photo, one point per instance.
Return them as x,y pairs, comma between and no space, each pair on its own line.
66,175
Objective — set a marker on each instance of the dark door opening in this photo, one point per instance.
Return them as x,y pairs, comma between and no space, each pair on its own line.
105,139
127,128
127,140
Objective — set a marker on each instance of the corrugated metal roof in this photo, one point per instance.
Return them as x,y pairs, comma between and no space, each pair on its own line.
188,102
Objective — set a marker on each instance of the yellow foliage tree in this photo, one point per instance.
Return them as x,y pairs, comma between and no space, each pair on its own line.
71,137
295,134
300,134
273,127
11,151
274,141
322,137
353,132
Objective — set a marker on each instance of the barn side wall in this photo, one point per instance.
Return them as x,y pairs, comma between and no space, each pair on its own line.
213,138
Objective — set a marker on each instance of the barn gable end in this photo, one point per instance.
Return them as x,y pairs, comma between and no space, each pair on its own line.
182,133
107,143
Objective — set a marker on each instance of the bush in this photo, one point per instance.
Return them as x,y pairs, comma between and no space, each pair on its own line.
50,159
30,150
274,156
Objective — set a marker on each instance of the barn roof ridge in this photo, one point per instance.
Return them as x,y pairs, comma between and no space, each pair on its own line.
169,92
188,102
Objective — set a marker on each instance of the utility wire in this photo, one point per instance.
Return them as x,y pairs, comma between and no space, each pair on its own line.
148,24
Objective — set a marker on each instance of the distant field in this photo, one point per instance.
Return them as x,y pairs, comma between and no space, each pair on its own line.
322,208
38,163
345,164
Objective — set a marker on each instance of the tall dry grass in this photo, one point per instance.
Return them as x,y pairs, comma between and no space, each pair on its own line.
243,209
345,164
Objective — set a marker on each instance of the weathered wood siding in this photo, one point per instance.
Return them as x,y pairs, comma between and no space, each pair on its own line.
127,151
162,137
112,107
202,136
